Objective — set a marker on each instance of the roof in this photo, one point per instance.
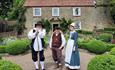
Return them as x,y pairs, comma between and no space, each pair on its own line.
55,3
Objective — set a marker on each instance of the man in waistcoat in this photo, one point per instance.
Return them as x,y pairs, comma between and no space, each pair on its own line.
57,43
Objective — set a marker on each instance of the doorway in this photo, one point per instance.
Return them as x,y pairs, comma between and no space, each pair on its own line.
54,26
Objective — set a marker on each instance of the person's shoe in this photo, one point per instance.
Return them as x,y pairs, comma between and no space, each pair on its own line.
56,62
43,69
60,64
37,69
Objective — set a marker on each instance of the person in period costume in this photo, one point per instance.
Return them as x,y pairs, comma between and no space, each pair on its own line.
57,43
72,59
37,45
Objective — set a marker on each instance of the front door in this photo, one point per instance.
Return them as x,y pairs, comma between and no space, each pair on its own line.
54,26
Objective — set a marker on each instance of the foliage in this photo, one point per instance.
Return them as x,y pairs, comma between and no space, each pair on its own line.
109,29
102,62
2,49
110,46
47,24
7,65
84,32
112,52
96,46
14,11
112,9
1,40
4,8
0,57
64,24
46,39
104,37
82,43
9,40
17,47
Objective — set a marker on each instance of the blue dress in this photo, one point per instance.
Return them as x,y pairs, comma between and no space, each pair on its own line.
74,61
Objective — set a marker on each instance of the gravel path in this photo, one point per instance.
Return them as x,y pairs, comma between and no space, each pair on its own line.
26,63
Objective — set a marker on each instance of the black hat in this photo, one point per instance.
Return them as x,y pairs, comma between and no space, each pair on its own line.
39,23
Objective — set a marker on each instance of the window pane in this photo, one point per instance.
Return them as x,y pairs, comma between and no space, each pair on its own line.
76,12
78,25
37,11
55,11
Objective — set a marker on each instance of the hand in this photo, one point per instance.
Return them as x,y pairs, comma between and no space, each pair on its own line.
50,47
74,48
61,47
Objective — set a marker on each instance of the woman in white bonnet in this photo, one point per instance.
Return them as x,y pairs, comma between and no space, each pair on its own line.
72,58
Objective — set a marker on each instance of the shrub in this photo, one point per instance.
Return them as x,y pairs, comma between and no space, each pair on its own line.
0,57
112,52
2,49
104,37
7,65
84,32
109,29
9,40
82,43
110,46
102,62
17,47
1,40
46,40
96,46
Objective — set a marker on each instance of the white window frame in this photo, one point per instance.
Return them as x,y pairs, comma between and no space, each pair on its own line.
58,11
34,12
79,11
78,22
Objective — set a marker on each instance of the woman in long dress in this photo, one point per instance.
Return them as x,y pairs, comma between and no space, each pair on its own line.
72,59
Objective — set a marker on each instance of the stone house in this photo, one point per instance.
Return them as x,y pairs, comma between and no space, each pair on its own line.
83,12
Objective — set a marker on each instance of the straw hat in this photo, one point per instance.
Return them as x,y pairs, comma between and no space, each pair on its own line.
73,24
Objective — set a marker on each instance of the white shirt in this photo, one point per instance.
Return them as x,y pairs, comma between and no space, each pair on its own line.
42,33
37,43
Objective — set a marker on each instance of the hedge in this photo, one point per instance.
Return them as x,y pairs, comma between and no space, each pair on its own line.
82,43
104,37
102,62
96,46
110,46
84,32
109,29
2,48
17,47
7,65
112,52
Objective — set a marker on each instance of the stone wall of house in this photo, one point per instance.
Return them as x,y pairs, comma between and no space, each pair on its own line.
90,16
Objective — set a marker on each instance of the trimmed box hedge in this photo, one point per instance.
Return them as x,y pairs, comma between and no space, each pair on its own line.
2,49
112,52
104,37
7,65
102,62
96,46
18,47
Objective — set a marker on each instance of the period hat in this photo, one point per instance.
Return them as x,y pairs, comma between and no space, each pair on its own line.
73,24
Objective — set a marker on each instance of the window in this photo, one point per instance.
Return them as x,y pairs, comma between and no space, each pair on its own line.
55,11
76,11
78,25
36,11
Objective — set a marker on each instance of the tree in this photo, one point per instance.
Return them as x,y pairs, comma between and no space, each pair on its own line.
5,6
64,24
13,10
